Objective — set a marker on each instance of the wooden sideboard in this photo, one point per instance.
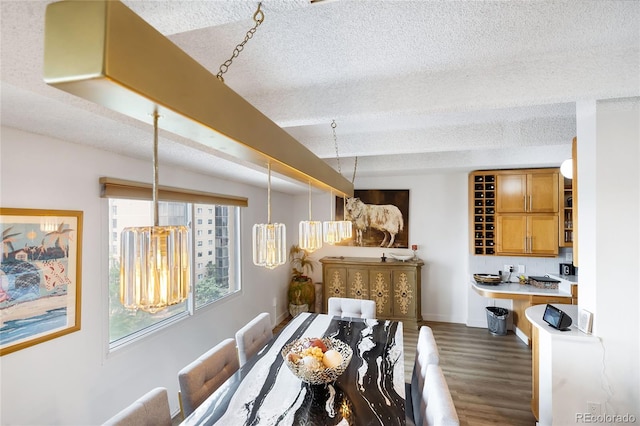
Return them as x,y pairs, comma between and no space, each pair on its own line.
394,285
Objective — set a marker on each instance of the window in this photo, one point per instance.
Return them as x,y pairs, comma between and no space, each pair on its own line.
214,275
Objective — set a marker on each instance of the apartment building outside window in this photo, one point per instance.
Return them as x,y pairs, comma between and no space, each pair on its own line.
215,273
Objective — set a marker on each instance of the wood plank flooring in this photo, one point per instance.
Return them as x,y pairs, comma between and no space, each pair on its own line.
489,377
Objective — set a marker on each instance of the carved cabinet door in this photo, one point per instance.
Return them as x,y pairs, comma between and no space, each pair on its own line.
335,283
380,287
357,283
404,293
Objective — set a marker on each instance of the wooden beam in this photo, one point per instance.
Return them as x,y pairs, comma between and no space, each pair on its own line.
103,52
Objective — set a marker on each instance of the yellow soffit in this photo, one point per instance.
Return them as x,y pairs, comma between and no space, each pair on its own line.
103,52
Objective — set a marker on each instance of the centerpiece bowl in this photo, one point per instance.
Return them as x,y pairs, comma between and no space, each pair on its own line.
401,256
316,372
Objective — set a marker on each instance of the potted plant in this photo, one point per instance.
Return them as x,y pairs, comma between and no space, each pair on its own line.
302,292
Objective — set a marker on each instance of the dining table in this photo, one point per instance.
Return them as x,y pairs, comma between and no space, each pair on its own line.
264,391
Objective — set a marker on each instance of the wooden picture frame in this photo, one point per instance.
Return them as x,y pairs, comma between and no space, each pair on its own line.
380,217
40,276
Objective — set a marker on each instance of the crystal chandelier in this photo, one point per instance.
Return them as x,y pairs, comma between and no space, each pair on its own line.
269,239
155,265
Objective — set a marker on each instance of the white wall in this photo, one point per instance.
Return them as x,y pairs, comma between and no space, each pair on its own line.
71,380
609,227
438,224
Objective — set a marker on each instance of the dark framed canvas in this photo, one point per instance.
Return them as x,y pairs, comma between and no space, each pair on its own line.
380,217
40,271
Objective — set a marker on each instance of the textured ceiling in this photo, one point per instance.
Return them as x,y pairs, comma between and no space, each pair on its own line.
414,86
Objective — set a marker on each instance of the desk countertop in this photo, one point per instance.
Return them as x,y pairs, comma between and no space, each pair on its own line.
516,289
534,315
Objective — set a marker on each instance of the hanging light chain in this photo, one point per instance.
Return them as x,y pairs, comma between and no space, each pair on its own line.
156,220
309,201
258,18
269,193
355,166
335,141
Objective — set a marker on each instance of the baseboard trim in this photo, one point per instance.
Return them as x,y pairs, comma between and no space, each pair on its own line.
521,335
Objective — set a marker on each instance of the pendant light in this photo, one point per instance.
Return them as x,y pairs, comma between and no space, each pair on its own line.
269,239
566,168
332,229
336,231
346,227
155,265
310,231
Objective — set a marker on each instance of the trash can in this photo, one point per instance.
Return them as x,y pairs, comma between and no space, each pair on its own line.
497,320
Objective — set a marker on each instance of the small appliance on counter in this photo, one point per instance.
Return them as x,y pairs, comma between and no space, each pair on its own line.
567,269
544,282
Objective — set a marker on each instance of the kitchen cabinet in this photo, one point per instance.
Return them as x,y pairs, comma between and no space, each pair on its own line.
527,191
565,215
511,212
482,199
521,234
394,285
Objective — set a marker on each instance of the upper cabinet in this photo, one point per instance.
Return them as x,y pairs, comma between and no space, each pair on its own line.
519,212
566,212
527,191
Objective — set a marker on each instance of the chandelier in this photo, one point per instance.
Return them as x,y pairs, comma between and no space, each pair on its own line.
155,265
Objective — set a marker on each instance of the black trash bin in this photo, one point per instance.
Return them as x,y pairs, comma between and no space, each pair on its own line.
497,320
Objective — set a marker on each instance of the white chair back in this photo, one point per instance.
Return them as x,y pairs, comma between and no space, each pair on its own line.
437,405
253,336
203,376
354,308
151,409
426,354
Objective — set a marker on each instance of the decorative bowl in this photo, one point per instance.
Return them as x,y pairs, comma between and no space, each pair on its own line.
401,256
321,375
487,279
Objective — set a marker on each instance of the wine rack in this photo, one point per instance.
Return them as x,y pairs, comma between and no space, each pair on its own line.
566,213
482,186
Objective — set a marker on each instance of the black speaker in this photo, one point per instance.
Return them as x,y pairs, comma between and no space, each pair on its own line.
556,318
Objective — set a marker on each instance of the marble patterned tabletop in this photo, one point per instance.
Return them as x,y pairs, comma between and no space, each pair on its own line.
266,392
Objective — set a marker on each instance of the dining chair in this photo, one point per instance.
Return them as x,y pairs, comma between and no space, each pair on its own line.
203,376
253,336
437,405
355,308
151,409
426,354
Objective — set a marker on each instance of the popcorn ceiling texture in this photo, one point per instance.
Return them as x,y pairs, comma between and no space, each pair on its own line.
414,86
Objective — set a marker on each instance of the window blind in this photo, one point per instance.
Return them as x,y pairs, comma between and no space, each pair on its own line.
119,188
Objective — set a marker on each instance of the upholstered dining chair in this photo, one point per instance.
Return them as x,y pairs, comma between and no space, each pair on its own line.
426,354
437,405
203,376
151,409
354,308
253,336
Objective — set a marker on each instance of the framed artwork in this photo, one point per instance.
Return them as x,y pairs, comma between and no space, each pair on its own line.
380,217
40,271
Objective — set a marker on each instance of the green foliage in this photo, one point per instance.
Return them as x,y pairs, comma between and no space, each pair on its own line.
301,263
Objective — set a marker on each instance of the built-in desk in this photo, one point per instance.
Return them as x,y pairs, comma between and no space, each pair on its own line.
525,296
557,357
